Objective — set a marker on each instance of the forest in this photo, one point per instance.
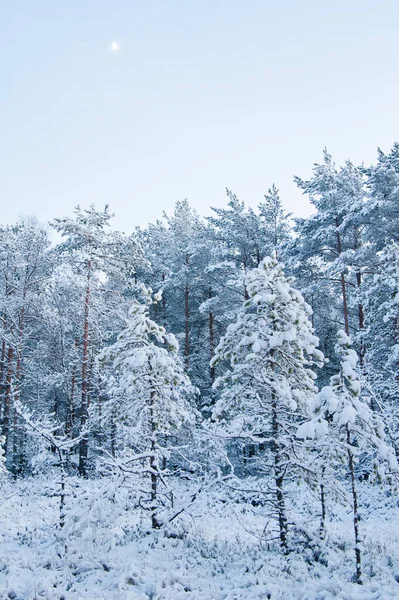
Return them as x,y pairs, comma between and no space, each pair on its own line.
205,408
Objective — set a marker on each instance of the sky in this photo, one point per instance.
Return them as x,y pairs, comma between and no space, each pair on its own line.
201,95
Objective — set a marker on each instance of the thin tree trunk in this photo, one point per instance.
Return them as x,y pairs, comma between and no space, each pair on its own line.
16,457
187,322
212,343
323,506
62,497
355,510
62,490
360,309
7,398
360,305
19,353
211,339
113,435
3,355
101,434
246,295
343,285
2,367
278,476
155,524
312,315
70,413
83,446
70,420
154,489
163,302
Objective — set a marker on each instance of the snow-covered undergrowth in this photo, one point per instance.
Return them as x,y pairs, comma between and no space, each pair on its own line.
217,551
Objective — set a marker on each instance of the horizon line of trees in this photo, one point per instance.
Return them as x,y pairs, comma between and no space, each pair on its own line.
227,333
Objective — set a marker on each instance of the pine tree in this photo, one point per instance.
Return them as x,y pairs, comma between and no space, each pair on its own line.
179,251
148,398
348,428
327,255
94,252
275,223
380,297
382,212
270,350
24,268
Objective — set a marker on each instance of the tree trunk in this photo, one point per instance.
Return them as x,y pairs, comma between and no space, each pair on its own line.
3,355
163,302
7,398
246,295
343,284
211,343
113,436
278,476
2,368
344,303
84,442
360,305
360,309
70,419
155,524
355,510
62,489
154,489
17,458
358,245
187,322
323,506
70,410
62,496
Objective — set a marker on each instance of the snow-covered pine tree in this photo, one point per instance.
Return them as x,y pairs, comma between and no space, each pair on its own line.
186,288
327,256
381,300
237,230
148,399
266,391
24,267
96,253
382,211
52,450
348,429
275,223
238,239
86,235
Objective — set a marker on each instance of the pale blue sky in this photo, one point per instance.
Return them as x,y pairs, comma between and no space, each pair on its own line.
203,95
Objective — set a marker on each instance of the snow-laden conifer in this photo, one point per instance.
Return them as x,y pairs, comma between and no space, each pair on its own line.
381,301
94,253
271,350
347,428
148,393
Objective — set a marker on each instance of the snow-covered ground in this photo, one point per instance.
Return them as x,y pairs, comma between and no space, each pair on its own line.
213,553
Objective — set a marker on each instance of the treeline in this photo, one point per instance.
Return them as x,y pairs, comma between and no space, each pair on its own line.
66,368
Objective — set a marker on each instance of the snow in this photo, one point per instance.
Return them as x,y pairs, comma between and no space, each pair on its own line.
313,429
347,415
215,552
280,448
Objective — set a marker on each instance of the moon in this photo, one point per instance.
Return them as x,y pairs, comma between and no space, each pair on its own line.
114,46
